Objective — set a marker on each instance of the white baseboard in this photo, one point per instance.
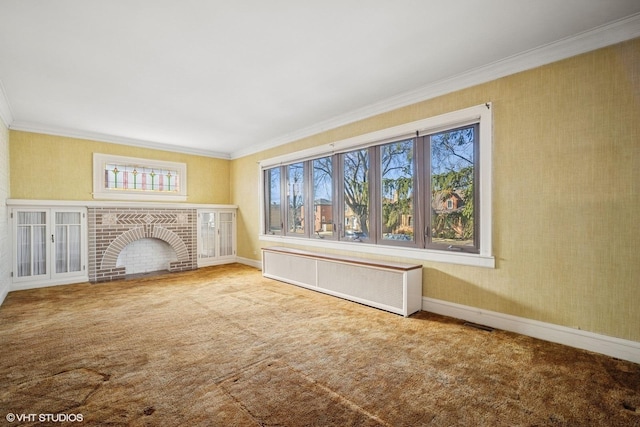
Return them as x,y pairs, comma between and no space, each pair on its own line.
3,293
250,262
610,346
46,283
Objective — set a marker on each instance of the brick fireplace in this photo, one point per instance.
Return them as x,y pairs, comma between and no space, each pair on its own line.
111,229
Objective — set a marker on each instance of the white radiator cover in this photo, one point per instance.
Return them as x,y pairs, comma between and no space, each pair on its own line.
394,287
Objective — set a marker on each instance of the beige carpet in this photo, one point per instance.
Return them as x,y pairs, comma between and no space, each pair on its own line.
222,346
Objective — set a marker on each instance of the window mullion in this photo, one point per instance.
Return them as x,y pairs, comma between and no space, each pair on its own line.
284,203
336,186
426,181
309,213
339,200
375,199
476,186
419,206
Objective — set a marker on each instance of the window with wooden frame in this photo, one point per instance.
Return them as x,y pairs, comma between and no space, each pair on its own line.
425,192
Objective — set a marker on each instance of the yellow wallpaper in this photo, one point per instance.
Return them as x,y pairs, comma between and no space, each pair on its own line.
566,193
60,168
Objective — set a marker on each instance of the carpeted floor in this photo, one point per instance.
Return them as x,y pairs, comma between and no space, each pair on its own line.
222,346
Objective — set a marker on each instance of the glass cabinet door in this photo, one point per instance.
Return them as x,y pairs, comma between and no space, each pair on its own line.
216,236
48,244
227,227
207,233
31,246
67,241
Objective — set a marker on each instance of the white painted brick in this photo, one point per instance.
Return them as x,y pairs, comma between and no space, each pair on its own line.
146,255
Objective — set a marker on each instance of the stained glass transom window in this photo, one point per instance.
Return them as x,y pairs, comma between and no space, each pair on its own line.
140,178
127,178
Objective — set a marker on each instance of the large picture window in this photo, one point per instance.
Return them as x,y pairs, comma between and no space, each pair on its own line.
421,196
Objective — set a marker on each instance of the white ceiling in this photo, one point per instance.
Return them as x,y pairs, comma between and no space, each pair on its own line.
226,78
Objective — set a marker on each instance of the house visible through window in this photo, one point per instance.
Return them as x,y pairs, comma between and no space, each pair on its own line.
322,197
453,170
397,187
415,192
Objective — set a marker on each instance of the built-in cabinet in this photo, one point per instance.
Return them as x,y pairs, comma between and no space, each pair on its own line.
216,236
58,242
49,246
391,286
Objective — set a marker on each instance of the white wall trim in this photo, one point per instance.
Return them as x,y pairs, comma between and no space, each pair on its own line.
603,344
48,283
250,262
358,248
481,113
5,108
599,37
4,293
605,35
114,204
114,139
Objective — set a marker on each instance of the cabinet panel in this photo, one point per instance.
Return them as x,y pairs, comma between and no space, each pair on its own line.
227,234
362,282
68,242
216,236
207,234
391,286
300,271
49,246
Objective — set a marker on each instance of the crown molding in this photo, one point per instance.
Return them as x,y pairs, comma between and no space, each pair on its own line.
599,37
95,136
5,108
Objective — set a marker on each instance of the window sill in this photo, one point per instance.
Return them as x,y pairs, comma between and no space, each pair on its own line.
475,260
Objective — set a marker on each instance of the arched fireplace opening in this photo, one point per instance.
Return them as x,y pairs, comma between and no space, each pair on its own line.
146,256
